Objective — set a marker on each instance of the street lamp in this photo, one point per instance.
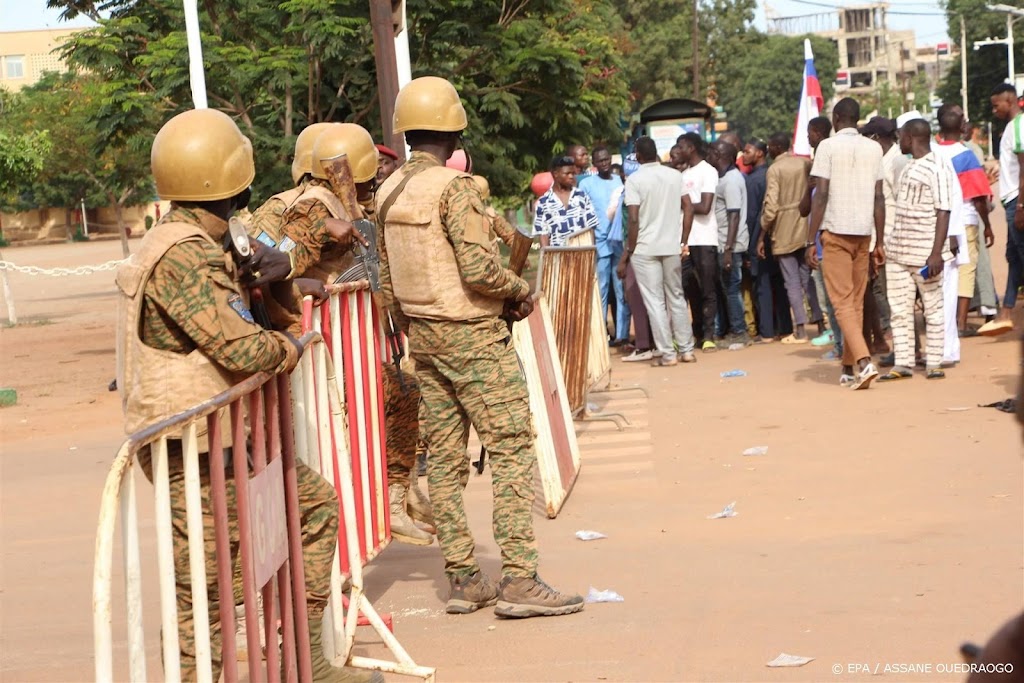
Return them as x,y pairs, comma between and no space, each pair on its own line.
1011,12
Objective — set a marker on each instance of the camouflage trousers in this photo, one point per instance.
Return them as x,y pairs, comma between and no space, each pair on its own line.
484,387
318,504
401,424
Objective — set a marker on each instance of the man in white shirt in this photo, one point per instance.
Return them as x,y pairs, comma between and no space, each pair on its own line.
918,250
1011,156
654,211
700,229
848,204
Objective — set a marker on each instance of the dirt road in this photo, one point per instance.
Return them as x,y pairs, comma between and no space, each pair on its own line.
882,527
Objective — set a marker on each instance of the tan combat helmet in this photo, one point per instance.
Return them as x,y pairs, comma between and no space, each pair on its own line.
485,187
429,103
352,140
302,163
201,156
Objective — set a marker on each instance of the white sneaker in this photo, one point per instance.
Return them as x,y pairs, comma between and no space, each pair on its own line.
846,380
637,356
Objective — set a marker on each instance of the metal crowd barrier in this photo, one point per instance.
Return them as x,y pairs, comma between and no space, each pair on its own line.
599,361
566,276
267,515
558,452
305,417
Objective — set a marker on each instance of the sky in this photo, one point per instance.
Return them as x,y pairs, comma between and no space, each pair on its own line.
925,16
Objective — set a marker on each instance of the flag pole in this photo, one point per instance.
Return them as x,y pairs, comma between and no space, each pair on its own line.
196,75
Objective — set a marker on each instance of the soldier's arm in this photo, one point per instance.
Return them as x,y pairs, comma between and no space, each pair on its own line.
192,288
468,229
505,230
387,290
306,225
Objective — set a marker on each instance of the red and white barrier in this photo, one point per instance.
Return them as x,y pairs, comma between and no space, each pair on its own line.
268,518
331,421
347,422
558,452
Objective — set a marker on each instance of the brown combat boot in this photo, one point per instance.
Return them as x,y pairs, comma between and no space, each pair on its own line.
403,529
323,672
520,597
471,593
419,506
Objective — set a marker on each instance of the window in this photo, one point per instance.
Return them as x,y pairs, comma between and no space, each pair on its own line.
14,66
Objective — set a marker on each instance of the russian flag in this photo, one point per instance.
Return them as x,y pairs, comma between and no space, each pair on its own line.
811,103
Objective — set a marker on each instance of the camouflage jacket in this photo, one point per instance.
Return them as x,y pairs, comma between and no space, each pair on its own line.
190,301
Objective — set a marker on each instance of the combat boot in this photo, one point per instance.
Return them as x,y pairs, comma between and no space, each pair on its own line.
470,593
403,529
419,506
323,672
520,597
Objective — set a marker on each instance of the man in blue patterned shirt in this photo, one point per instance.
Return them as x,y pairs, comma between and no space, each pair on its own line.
564,209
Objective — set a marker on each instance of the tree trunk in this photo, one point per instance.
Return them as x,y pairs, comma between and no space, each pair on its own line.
122,229
288,113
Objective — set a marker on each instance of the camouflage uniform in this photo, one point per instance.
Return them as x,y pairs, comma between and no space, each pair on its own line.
469,374
182,312
305,225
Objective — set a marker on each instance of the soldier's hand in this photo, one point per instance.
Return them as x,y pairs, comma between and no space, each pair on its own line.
312,287
344,233
517,310
266,265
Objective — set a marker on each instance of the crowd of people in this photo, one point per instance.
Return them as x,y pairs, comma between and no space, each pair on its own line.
727,244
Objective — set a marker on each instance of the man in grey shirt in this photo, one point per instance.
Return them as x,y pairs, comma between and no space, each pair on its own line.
733,238
654,200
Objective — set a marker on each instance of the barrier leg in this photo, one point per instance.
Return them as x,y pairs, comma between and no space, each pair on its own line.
133,580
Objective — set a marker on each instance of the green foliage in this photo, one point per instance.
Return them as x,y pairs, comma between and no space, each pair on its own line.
762,89
534,75
149,222
94,158
79,235
22,154
986,67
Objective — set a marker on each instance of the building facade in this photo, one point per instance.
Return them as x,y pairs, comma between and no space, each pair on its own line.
26,55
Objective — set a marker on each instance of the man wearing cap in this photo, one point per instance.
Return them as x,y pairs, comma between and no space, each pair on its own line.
187,336
442,277
387,163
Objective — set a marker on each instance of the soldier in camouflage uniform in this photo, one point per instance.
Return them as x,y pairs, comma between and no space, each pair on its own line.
186,334
316,231
442,277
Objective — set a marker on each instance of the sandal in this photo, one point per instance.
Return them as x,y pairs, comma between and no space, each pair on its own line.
894,375
793,339
935,374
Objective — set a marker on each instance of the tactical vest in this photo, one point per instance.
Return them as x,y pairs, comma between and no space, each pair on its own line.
157,384
424,272
334,260
269,218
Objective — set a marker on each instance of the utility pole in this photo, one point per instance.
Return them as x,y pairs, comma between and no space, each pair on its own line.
963,66
382,23
696,55
903,78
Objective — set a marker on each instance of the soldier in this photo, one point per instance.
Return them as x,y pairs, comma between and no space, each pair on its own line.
266,220
443,280
318,253
186,335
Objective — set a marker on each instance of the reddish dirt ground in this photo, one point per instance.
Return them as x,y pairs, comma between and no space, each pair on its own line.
882,527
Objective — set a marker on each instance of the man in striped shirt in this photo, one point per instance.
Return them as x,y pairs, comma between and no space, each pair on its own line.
564,209
917,249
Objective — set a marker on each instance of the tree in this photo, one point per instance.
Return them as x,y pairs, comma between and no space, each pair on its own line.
986,67
762,88
92,162
534,74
